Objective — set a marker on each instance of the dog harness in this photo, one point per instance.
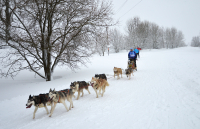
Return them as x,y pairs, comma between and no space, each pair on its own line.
84,86
63,91
59,99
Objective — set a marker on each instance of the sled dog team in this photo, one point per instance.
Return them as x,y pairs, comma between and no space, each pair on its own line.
99,83
128,71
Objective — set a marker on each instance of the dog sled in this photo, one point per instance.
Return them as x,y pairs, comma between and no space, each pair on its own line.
131,64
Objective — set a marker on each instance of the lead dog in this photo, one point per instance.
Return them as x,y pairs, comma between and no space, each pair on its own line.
99,84
129,71
117,71
79,86
39,101
60,97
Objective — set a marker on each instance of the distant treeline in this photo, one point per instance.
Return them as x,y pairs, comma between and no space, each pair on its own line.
146,35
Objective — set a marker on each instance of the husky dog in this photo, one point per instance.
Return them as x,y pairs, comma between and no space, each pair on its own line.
129,71
74,88
39,101
60,97
79,86
102,76
117,71
99,84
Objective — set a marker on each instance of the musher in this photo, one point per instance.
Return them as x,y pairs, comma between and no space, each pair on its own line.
132,56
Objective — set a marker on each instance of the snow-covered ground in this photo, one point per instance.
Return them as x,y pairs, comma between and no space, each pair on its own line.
163,94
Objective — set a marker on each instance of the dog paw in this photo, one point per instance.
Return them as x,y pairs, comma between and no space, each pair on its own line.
49,115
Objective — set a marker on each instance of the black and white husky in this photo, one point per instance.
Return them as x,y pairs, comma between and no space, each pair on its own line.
79,86
60,97
129,71
39,101
101,76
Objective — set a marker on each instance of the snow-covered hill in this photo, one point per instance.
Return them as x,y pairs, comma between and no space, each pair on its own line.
163,94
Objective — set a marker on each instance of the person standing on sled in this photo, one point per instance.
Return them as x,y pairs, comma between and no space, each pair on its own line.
132,56
137,52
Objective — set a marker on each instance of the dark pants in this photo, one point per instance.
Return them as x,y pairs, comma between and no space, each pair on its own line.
138,54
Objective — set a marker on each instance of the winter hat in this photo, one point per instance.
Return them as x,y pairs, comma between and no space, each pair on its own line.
131,48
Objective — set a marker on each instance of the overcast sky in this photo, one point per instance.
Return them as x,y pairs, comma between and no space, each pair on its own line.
184,15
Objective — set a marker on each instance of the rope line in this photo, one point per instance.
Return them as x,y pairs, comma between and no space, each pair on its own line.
121,6
131,9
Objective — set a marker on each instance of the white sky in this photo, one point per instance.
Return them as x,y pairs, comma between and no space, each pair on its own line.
181,14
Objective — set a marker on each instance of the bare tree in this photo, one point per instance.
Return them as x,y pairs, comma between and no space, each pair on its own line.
47,33
150,35
101,41
195,41
116,40
143,32
168,37
6,18
162,36
131,29
173,36
180,39
155,35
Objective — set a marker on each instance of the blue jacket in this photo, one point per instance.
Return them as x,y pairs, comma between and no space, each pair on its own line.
132,55
136,50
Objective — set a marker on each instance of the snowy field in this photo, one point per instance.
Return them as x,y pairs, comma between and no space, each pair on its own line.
163,94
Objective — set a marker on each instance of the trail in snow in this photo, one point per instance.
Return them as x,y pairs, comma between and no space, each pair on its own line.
163,93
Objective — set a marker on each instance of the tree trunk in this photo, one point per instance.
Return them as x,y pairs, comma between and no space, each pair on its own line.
49,49
48,77
7,20
49,63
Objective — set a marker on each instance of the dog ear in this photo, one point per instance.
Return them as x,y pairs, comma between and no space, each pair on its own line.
54,89
29,96
50,90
